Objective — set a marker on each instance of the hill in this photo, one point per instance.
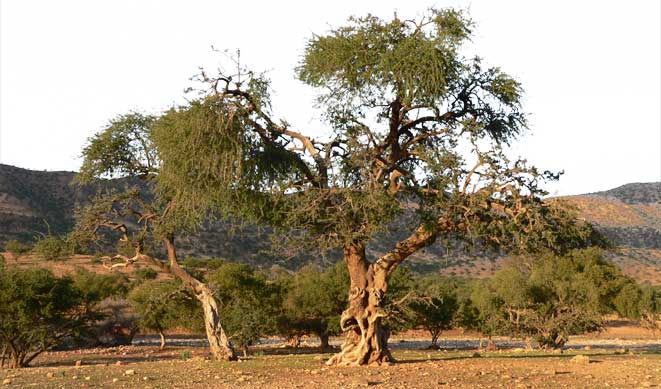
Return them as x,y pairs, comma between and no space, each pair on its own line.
630,216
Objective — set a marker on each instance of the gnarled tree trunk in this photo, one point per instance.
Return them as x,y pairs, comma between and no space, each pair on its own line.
219,343
367,340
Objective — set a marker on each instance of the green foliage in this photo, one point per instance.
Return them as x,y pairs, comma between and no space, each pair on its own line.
96,287
123,149
650,306
435,306
164,305
144,274
628,301
37,310
313,301
52,248
16,248
248,304
549,298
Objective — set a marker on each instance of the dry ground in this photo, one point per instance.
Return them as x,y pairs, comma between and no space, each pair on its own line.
185,367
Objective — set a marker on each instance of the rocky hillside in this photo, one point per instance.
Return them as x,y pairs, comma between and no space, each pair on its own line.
31,201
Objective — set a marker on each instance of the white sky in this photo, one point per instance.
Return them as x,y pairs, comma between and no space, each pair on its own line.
591,71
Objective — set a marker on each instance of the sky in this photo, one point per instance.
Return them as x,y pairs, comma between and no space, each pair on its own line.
591,71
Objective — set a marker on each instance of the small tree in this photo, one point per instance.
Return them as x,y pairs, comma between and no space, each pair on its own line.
37,311
162,305
650,306
51,248
248,304
435,306
313,302
142,216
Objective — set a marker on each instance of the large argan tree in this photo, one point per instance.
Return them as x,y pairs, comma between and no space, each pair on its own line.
142,218
417,132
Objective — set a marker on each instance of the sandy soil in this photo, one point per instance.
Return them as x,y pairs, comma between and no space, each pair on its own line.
185,367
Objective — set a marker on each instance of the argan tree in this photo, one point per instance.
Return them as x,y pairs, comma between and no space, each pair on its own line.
163,305
435,306
417,132
138,215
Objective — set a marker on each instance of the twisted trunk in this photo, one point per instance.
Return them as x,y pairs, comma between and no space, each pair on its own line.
366,340
219,343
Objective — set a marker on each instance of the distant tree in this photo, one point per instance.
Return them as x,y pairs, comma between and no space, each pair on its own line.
162,305
52,248
313,302
144,274
37,311
247,302
435,306
650,306
551,299
142,216
16,248
415,129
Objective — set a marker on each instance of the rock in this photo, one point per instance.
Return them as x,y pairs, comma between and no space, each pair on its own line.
518,350
50,374
551,371
647,384
114,380
587,348
118,363
318,357
145,378
129,372
6,381
476,355
580,359
79,363
87,378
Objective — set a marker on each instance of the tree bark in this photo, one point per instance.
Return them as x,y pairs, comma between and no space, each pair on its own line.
220,345
367,340
434,340
323,340
162,335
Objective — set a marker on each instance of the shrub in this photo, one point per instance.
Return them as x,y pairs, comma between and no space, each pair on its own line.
37,311
162,305
51,248
144,274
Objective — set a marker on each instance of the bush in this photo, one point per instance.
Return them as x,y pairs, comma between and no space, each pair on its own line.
312,302
248,304
162,305
144,274
550,298
52,248
37,311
